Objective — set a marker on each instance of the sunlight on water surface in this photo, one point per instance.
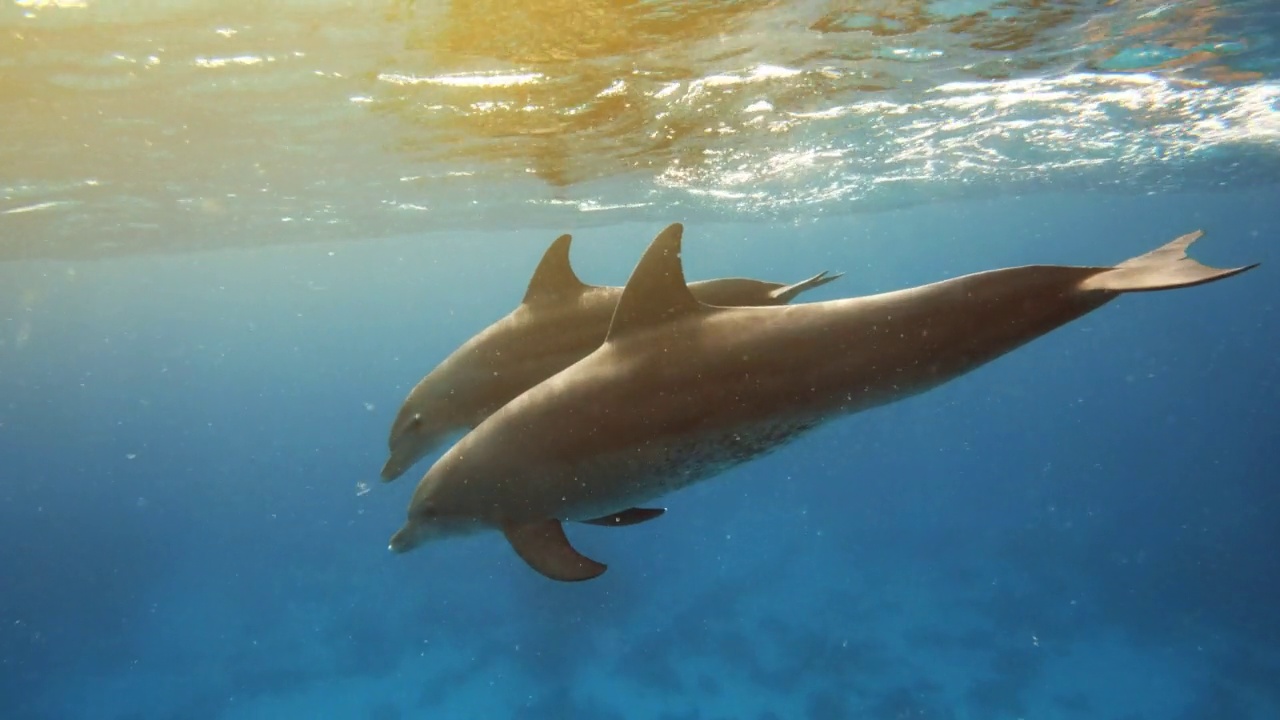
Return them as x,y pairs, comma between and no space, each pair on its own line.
131,126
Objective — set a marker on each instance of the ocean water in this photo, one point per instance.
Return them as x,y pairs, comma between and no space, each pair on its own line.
222,269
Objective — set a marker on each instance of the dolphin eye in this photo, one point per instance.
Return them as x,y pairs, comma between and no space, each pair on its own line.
416,420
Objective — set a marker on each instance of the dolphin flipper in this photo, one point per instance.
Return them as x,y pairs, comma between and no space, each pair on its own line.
545,548
787,293
630,516
1164,268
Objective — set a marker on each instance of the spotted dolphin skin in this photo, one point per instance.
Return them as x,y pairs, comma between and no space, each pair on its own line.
681,391
560,321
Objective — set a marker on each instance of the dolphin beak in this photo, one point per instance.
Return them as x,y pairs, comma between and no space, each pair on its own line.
401,542
391,470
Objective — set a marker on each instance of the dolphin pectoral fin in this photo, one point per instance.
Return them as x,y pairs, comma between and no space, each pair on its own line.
787,293
545,548
1164,268
630,516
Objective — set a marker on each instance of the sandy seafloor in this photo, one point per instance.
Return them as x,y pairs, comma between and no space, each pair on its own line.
1083,529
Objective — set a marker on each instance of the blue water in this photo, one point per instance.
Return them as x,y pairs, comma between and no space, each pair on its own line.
1085,528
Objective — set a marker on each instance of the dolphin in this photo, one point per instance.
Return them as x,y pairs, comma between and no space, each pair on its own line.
681,391
560,320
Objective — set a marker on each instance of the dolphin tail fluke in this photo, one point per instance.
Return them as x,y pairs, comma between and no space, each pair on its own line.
1164,268
788,293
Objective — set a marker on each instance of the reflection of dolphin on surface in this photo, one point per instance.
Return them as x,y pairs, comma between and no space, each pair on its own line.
680,391
559,322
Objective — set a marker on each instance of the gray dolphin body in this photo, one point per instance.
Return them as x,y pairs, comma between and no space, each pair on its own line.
680,391
559,322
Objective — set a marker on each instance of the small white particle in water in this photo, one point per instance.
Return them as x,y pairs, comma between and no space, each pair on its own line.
369,406
130,456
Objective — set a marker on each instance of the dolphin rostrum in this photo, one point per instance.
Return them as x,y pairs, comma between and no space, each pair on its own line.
681,391
560,321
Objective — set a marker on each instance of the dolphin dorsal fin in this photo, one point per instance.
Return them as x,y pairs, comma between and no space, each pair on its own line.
656,292
554,277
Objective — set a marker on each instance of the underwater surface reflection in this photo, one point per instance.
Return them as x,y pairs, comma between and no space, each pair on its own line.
132,127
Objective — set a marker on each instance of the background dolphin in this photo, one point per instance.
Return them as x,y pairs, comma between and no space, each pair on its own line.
560,321
681,391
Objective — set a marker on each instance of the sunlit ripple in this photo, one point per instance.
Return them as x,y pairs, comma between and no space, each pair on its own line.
998,133
207,124
471,80
227,61
32,208
46,4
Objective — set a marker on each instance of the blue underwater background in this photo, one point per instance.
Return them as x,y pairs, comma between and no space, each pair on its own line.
1085,528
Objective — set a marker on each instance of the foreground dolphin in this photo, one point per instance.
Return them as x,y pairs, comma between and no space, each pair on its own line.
681,391
560,321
